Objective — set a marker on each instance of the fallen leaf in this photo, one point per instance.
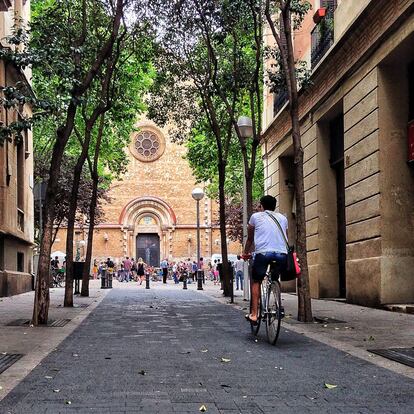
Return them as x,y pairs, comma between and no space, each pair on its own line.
330,386
75,355
225,359
4,353
203,408
1,387
225,386
56,390
371,338
185,352
68,402
48,377
142,372
204,350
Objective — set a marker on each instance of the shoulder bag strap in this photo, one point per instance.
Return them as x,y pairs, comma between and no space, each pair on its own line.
280,228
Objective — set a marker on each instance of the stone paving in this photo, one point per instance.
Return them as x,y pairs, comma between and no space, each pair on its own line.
161,350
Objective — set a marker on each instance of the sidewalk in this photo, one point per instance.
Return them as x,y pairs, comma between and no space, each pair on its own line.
362,328
37,343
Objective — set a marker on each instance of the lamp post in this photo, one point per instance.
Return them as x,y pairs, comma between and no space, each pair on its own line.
246,131
197,195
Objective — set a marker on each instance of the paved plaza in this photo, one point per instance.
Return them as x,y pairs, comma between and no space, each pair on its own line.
168,350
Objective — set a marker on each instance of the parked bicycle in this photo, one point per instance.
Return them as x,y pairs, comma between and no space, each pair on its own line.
57,277
270,310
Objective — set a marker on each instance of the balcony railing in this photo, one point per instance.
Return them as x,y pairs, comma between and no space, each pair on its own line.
279,101
322,36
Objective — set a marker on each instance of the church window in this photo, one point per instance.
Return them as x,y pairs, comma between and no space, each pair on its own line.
148,146
147,220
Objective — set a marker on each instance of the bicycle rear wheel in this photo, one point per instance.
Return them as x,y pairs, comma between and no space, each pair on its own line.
273,312
255,328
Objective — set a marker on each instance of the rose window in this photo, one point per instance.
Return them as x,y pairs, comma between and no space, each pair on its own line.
148,146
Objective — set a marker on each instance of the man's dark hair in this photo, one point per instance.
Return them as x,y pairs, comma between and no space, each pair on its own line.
268,202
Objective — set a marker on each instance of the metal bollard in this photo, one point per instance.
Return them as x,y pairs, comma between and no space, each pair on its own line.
103,279
200,279
185,282
147,281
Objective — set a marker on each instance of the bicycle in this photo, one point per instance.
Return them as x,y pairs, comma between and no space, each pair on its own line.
270,309
57,277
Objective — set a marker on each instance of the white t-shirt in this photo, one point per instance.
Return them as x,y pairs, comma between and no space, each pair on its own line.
267,235
239,265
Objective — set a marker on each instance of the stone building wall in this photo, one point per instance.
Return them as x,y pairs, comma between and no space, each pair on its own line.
372,100
16,179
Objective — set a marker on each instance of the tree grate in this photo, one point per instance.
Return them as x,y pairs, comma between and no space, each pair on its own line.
326,319
52,323
402,355
7,360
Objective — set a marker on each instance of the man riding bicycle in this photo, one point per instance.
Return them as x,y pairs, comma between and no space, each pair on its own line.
270,246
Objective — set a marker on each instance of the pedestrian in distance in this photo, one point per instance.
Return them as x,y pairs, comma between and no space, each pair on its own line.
95,269
141,270
164,268
127,268
270,246
238,268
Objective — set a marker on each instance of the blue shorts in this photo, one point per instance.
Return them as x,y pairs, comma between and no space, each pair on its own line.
262,260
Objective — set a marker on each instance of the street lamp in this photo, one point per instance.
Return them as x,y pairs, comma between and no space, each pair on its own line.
197,195
246,131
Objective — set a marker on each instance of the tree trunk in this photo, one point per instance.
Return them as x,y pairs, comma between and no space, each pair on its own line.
92,209
42,298
304,299
68,301
88,258
225,273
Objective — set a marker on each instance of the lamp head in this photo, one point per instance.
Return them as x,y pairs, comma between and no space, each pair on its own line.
245,126
197,194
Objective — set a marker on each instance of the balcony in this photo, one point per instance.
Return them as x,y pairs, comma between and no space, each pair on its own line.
279,101
322,36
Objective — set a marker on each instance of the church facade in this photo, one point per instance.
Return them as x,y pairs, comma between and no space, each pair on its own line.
151,213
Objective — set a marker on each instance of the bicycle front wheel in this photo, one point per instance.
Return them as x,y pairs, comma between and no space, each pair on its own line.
273,312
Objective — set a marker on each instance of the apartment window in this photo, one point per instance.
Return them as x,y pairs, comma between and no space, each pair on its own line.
20,262
20,161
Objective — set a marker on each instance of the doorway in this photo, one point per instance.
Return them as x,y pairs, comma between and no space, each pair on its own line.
336,161
148,247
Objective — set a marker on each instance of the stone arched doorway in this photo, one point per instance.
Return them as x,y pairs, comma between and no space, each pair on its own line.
147,223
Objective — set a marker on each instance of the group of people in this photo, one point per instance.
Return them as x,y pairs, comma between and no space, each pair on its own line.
126,271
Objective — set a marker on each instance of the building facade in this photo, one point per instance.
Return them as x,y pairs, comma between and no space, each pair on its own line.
358,139
16,174
152,213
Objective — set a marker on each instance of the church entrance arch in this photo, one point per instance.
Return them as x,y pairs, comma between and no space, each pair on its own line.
148,248
147,223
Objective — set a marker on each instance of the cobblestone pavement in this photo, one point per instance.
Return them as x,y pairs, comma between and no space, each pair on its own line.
161,350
